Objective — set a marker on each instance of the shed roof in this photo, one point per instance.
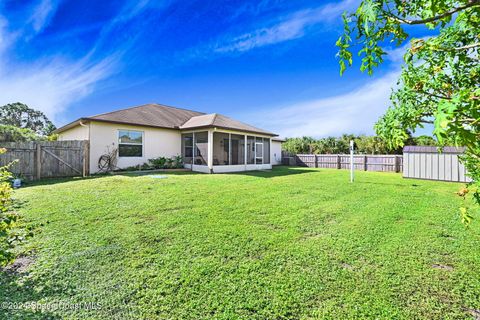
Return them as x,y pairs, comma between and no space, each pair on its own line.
433,149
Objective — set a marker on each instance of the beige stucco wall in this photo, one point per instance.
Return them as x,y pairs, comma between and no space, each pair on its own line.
157,142
79,132
276,152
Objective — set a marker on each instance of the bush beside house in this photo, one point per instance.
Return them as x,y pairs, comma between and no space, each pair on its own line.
175,162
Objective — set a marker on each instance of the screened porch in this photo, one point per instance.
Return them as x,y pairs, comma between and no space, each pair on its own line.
218,151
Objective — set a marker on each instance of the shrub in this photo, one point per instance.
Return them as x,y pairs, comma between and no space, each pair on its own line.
158,163
166,163
169,163
178,162
8,218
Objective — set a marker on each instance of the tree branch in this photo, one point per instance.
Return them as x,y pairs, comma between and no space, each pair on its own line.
470,46
472,3
437,96
466,47
432,94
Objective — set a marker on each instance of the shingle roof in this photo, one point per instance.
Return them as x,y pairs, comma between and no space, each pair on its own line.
221,121
154,115
161,116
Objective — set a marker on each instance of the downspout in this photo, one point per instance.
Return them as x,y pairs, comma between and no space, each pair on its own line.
86,126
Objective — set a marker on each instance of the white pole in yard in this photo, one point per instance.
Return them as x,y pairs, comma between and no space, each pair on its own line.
351,161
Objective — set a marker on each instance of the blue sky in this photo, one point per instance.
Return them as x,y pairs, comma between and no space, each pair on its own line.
270,63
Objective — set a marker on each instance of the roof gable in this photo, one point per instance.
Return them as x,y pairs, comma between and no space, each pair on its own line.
221,121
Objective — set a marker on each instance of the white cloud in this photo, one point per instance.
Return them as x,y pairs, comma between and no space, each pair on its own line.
353,112
42,14
51,83
53,86
6,38
289,28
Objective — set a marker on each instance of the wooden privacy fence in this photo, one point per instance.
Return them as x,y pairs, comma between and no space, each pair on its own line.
428,163
419,162
47,159
392,163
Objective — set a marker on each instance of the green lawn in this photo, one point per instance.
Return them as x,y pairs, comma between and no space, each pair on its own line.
287,244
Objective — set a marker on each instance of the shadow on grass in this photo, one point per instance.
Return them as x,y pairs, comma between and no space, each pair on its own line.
132,174
18,298
157,172
279,171
407,183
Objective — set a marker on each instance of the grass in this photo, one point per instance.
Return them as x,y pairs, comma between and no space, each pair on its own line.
291,243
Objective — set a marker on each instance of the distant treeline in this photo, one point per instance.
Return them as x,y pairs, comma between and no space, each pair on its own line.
339,145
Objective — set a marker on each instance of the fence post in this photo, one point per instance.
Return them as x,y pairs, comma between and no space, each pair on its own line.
397,165
86,155
365,165
316,161
38,165
339,163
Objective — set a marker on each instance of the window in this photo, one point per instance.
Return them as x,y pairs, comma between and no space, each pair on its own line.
187,147
130,143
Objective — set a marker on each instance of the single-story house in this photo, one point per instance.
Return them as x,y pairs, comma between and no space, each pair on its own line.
207,142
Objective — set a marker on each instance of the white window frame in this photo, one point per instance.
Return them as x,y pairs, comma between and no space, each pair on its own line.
132,144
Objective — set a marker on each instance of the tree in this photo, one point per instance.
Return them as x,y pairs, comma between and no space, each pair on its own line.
424,141
341,145
21,116
15,134
371,145
440,80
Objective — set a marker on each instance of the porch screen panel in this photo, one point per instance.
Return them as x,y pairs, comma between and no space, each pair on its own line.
250,150
259,150
238,149
187,148
201,148
266,151
221,146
